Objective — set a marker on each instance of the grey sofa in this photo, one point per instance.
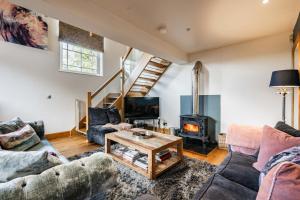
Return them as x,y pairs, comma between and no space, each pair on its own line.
235,179
86,178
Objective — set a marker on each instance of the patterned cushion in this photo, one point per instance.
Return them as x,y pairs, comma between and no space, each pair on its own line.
114,115
10,126
20,164
20,140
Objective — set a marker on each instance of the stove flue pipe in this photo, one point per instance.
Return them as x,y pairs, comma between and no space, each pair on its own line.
196,86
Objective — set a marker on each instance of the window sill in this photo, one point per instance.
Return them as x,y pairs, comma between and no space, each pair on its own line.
81,73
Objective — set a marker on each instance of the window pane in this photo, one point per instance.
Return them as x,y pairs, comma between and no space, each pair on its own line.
89,71
65,45
86,61
74,48
94,62
74,59
65,57
65,67
87,51
74,68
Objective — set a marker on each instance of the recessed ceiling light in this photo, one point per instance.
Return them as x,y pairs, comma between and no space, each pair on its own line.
163,29
265,1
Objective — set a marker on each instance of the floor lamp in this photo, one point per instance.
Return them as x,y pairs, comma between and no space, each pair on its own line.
283,80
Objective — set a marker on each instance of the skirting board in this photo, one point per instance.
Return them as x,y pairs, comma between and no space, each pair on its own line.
51,136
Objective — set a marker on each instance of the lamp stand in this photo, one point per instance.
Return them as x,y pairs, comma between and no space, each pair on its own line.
283,92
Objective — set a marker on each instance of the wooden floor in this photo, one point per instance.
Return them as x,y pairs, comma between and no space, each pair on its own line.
77,144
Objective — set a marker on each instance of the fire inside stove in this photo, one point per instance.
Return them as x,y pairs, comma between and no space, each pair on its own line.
192,128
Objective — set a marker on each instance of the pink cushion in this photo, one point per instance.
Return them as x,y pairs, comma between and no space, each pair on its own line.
243,150
282,182
273,141
243,138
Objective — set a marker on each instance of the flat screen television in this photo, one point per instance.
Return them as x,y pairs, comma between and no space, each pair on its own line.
142,107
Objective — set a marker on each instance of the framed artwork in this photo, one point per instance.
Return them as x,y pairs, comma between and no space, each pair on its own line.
22,26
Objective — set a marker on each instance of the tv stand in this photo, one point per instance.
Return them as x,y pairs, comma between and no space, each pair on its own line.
141,123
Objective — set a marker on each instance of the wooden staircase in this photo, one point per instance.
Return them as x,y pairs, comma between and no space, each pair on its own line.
147,72
146,76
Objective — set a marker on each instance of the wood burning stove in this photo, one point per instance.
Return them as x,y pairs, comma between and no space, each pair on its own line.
197,127
198,133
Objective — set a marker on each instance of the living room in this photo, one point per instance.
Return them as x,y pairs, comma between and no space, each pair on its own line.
175,102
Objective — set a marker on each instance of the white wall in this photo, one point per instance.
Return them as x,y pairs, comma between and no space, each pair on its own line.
240,74
28,76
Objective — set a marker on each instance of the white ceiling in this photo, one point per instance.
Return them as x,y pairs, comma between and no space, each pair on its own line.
213,23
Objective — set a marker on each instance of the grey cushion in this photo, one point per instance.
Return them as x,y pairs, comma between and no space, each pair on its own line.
237,167
287,129
20,164
98,116
220,188
38,126
11,125
114,115
77,180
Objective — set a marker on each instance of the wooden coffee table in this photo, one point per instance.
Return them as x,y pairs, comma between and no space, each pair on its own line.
149,146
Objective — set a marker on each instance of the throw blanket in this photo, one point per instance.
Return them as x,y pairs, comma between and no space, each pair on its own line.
119,127
20,164
244,138
289,155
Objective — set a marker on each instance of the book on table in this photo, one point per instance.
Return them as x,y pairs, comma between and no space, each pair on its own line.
131,155
142,162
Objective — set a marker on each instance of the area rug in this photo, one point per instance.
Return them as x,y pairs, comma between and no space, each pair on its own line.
180,182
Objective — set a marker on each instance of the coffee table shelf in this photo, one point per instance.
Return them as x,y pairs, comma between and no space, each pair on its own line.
149,147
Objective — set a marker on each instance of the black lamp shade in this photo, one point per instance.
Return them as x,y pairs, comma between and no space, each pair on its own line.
285,78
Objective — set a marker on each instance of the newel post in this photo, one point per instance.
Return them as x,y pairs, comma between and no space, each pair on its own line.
88,104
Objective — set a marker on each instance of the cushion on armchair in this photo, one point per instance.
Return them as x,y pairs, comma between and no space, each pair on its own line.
114,115
98,116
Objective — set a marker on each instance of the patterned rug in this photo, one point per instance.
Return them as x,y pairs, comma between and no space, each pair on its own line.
180,182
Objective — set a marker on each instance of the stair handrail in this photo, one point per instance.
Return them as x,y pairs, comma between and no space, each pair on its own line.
124,58
106,83
115,75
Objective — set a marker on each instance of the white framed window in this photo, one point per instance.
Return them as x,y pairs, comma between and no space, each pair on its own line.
81,60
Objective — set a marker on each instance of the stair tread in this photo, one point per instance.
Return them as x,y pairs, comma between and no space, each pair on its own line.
155,64
141,85
152,72
155,69
146,78
136,94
